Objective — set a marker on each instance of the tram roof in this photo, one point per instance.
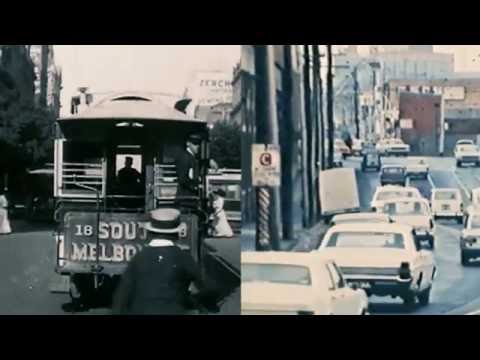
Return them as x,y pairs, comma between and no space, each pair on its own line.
131,106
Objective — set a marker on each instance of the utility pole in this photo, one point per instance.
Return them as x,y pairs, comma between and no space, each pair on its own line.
308,118
355,102
322,120
318,128
268,200
331,126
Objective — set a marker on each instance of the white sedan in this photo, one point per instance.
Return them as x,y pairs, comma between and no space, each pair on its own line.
385,260
388,192
418,168
413,212
393,147
447,203
467,154
292,283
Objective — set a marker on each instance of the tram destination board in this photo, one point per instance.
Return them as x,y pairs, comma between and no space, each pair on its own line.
120,236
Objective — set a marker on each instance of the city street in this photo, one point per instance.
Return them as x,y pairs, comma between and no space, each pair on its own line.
456,287
28,257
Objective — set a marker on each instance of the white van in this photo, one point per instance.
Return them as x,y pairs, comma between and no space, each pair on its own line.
447,203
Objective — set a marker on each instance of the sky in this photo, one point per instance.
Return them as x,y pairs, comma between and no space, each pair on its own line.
167,68
156,68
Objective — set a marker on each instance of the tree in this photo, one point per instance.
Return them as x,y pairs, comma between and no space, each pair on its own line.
225,146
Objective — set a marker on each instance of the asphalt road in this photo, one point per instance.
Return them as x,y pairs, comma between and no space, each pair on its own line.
456,288
27,258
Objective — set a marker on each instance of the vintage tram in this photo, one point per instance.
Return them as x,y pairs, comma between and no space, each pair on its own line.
99,221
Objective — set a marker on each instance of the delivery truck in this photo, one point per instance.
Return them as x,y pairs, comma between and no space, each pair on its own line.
338,192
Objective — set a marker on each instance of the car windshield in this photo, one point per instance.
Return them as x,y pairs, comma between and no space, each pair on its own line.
445,195
372,157
393,170
276,273
366,240
406,208
387,195
467,148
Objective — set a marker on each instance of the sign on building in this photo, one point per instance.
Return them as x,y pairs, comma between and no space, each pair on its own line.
209,88
265,165
454,93
406,123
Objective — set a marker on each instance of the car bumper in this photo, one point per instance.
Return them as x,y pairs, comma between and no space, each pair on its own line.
468,159
448,214
381,285
397,152
393,181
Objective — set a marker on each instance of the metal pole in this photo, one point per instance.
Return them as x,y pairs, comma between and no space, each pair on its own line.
273,135
322,120
355,101
309,128
318,128
331,125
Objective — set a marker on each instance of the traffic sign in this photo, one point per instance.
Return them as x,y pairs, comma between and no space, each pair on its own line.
265,165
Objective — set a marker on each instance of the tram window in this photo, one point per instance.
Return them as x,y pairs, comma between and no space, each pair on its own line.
136,163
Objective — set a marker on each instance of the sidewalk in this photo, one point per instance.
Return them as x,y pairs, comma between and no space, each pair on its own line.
306,239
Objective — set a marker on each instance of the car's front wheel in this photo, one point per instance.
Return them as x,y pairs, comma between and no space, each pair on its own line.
459,163
424,297
464,259
431,242
460,220
409,300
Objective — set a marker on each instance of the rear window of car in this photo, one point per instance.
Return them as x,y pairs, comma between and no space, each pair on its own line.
387,195
276,273
445,195
393,170
406,208
467,148
366,240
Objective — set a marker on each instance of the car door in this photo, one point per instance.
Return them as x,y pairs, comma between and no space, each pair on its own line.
344,299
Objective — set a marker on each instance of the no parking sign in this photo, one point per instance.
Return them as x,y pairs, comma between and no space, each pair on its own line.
265,165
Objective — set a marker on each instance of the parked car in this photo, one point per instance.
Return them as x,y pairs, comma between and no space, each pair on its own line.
389,192
394,175
418,168
413,212
385,260
371,160
365,217
470,238
447,203
292,283
467,154
393,147
340,146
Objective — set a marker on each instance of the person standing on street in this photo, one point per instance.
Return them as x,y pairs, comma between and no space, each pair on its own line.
4,222
158,278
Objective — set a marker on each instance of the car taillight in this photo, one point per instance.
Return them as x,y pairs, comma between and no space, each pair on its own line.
305,313
404,272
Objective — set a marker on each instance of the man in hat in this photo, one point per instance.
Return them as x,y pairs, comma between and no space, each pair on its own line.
158,278
188,172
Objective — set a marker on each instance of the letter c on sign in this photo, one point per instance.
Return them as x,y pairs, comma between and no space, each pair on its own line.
266,159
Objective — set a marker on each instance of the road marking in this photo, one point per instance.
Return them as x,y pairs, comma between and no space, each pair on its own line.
430,180
464,188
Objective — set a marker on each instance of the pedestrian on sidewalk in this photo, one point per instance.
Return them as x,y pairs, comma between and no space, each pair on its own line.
158,279
220,225
4,222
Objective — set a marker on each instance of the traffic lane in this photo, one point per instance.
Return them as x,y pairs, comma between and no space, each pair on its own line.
28,260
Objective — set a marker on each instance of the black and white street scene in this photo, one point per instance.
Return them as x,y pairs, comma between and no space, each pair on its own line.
361,179
120,180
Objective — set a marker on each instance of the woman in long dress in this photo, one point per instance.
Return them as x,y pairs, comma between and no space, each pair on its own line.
4,223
